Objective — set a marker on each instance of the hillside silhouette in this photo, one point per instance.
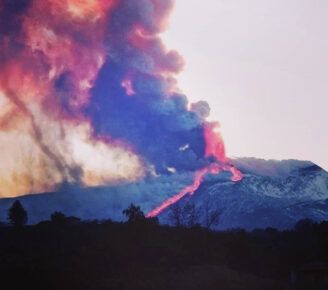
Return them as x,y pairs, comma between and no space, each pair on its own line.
68,253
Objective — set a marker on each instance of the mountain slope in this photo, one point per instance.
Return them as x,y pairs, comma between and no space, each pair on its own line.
277,196
272,194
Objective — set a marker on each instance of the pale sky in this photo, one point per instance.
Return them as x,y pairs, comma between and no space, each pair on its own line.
262,65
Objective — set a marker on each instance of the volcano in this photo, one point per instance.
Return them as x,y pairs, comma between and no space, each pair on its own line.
272,194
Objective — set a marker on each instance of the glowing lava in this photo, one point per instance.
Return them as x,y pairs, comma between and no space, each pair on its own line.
214,147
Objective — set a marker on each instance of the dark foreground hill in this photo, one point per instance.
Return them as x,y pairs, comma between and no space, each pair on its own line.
144,256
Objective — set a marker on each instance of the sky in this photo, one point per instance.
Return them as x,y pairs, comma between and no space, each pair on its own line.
262,65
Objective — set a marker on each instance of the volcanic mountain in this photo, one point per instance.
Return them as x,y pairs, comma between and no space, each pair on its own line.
271,194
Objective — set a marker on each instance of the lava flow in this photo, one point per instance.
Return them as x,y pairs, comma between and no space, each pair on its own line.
214,148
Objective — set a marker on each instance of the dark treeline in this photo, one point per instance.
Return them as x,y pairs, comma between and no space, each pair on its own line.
67,253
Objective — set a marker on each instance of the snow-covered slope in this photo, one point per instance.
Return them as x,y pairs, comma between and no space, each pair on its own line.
272,194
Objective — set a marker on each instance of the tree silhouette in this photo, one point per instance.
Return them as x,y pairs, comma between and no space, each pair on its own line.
184,216
134,213
175,215
17,215
212,215
191,215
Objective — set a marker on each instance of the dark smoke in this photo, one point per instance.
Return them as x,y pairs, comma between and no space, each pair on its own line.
91,88
156,122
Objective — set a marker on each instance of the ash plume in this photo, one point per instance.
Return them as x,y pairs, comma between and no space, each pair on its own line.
88,89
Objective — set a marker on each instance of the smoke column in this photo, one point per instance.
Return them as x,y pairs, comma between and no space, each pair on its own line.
88,96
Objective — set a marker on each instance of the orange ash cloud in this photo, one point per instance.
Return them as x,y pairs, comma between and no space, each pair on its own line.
41,145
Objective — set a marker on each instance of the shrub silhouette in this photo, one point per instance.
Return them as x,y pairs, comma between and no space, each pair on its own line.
58,218
17,215
134,213
304,225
